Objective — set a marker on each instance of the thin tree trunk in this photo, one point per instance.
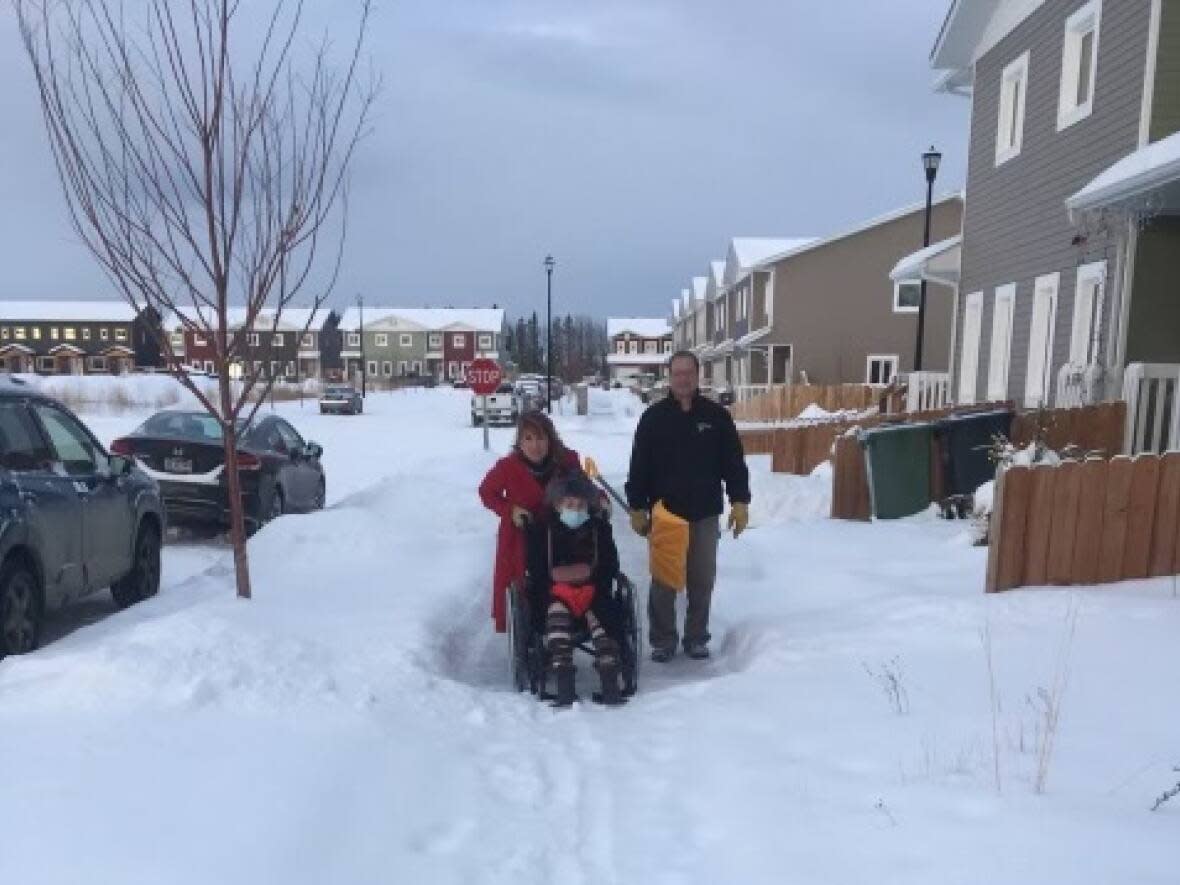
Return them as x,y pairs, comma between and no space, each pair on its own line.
237,524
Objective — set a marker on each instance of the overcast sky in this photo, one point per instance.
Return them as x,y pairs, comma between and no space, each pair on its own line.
629,138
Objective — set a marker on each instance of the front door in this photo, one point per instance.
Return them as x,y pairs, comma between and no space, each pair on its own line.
49,504
106,509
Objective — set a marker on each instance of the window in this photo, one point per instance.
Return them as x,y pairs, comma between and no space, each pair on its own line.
21,445
19,333
1001,353
969,356
405,340
382,340
85,334
275,368
373,368
199,341
252,339
120,334
435,341
650,347
36,333
308,339
452,370
620,346
881,369
667,347
290,437
278,340
97,363
54,333
1013,86
907,295
290,369
1087,314
104,334
1079,63
4,333
72,445
458,340
177,339
485,342
1040,341
45,364
402,368
70,334
387,369
354,339
633,347
209,366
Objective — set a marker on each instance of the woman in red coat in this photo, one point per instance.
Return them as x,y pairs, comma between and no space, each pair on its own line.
514,490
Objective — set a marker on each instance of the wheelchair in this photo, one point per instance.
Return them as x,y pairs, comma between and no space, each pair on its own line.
529,659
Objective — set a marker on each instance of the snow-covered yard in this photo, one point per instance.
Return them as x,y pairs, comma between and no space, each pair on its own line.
353,723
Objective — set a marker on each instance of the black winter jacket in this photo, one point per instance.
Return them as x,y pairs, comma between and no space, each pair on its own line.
682,458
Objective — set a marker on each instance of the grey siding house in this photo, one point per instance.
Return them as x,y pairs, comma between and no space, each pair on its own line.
828,313
1058,295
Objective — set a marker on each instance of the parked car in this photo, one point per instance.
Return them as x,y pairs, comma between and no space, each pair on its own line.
341,399
503,407
184,453
74,519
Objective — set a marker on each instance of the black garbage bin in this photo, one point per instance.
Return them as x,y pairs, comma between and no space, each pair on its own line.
897,459
965,441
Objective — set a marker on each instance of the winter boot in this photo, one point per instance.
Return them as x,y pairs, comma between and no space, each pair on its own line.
565,696
610,694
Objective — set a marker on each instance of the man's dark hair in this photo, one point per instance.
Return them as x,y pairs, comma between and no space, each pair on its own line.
685,355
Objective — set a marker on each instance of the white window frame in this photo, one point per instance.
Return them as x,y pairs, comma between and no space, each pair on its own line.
372,369
633,347
651,347
883,358
1086,20
18,333
69,333
970,348
387,368
485,342
620,346
277,341
86,334
97,363
897,305
308,339
1038,380
120,334
354,339
435,340
199,341
381,339
104,334
405,340
54,333
1087,314
1008,143
4,333
290,369
46,364
209,366
999,364
458,340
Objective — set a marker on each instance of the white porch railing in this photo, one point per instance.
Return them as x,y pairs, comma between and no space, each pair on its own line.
1078,385
926,391
746,392
1152,394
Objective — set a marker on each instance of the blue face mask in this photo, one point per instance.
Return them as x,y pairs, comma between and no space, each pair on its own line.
574,519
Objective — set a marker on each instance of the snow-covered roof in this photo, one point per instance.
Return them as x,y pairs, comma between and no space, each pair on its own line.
716,274
50,311
699,285
641,327
878,221
745,253
433,319
972,27
1148,179
637,359
938,263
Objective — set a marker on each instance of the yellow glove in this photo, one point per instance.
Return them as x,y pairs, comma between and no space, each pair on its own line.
520,516
739,517
640,522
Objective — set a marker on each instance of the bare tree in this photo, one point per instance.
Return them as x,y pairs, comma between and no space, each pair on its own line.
204,170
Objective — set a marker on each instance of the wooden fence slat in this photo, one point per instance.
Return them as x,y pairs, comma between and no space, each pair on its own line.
1088,539
1140,517
1164,558
1010,541
1064,522
1114,519
1036,560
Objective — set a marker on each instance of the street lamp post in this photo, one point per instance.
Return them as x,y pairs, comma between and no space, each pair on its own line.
930,162
550,263
360,303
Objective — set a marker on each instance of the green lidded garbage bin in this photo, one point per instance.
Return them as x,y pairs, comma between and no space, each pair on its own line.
897,459
966,440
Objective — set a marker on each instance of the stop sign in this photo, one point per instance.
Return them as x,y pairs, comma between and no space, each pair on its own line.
484,376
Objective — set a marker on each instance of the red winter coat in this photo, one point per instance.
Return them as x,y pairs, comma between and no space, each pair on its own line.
510,484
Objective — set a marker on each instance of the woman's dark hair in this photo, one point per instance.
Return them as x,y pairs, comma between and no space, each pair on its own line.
540,424
573,485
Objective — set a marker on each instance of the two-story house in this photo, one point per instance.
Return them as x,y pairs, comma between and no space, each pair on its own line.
827,312
1067,257
77,337
638,346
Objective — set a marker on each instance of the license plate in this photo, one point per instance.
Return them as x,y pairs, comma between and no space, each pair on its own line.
178,465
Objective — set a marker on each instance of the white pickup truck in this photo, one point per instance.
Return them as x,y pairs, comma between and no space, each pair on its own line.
503,407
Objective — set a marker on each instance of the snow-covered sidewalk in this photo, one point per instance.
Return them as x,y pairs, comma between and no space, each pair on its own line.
353,723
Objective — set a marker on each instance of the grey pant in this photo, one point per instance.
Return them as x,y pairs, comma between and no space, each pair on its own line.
703,536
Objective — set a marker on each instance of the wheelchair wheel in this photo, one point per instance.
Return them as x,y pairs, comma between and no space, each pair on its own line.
518,633
632,634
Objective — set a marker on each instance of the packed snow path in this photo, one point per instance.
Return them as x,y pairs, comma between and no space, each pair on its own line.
353,723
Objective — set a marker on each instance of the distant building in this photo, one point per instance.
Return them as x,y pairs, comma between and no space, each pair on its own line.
76,337
638,346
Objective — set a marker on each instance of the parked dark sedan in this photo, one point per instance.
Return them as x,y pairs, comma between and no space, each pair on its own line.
73,519
184,453
341,399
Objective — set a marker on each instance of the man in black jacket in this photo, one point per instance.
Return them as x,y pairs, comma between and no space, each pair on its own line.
685,447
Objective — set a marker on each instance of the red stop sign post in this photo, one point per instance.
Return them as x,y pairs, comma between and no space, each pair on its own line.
485,377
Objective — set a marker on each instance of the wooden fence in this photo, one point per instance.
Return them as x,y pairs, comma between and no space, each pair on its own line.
784,402
1095,429
1085,522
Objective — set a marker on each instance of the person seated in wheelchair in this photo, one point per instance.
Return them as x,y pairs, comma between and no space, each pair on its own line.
572,562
